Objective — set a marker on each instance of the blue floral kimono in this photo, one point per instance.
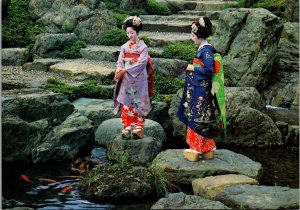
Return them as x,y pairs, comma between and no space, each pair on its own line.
196,108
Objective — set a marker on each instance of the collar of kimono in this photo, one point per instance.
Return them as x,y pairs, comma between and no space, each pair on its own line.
131,44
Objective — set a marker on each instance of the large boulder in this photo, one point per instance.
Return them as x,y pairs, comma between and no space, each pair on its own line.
73,138
14,56
247,124
292,10
87,19
49,45
248,40
132,4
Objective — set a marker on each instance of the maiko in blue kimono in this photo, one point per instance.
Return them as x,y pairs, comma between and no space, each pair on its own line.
196,108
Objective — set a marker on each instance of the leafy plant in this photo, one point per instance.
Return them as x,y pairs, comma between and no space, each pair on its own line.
114,37
89,89
155,8
72,51
164,85
161,181
146,40
112,4
67,26
183,51
18,29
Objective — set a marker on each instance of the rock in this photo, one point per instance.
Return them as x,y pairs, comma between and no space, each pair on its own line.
159,113
292,139
44,64
170,67
260,197
209,187
182,171
183,201
20,137
73,138
250,127
81,69
109,129
292,10
97,110
248,40
49,45
132,4
35,106
14,56
117,185
139,151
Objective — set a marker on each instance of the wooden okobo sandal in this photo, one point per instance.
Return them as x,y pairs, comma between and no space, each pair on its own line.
208,155
138,132
190,155
126,133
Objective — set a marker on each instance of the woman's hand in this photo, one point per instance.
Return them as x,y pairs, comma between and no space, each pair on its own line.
119,74
190,67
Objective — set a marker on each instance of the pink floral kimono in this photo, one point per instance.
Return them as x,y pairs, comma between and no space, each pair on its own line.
131,90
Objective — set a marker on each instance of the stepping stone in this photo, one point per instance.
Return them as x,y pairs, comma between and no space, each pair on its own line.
209,187
182,171
259,197
43,64
200,5
183,201
82,69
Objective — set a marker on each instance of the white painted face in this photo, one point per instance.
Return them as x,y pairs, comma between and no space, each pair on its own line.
194,38
132,34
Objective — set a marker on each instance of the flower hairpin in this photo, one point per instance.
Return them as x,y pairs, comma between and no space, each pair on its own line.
136,21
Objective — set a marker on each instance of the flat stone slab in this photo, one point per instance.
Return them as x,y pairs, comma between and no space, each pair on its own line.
183,201
161,39
225,162
260,197
84,69
43,64
209,187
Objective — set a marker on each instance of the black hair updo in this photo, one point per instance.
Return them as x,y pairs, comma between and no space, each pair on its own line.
202,27
134,22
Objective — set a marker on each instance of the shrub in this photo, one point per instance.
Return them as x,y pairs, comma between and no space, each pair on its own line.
183,51
112,4
155,8
18,30
89,89
72,51
114,37
146,40
164,85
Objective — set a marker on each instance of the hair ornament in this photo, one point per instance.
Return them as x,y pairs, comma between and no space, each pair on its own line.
136,21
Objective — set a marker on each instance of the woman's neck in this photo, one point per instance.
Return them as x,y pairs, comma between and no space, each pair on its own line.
202,42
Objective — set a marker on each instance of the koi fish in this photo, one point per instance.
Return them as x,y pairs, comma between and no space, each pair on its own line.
25,178
67,189
47,180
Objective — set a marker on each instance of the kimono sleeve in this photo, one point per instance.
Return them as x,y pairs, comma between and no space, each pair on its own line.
207,70
120,62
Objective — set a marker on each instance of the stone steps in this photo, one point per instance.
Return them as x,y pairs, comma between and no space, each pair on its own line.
161,39
200,5
169,26
212,15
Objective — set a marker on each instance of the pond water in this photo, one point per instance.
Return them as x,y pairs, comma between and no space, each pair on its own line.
280,168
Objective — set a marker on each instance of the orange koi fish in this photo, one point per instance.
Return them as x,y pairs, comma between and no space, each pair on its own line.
25,178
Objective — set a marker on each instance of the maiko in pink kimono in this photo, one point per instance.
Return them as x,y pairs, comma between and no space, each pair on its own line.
131,92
